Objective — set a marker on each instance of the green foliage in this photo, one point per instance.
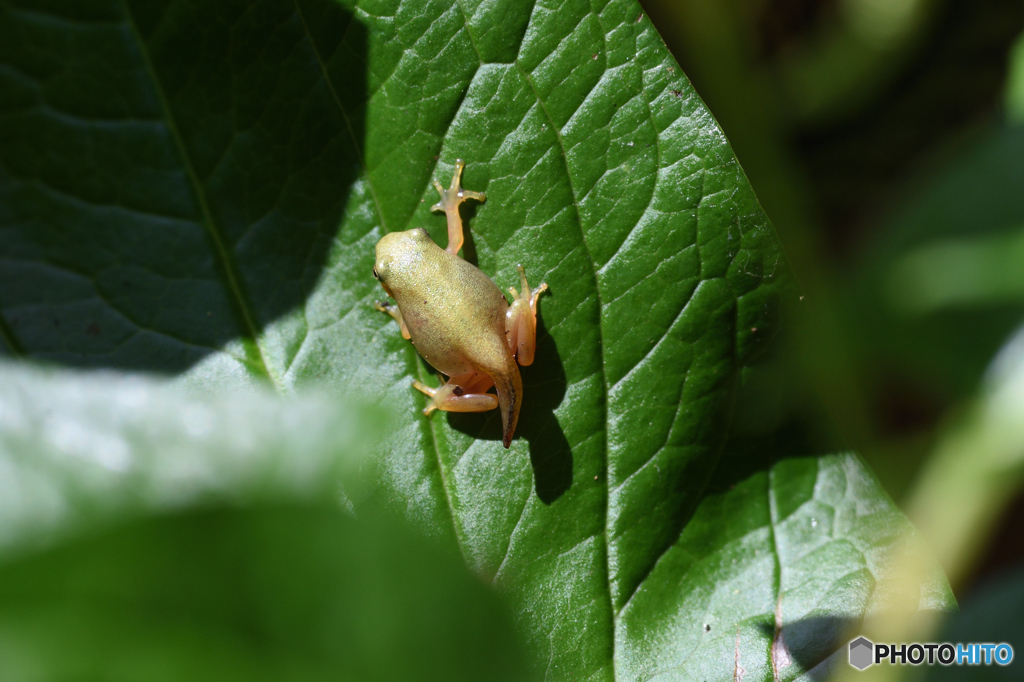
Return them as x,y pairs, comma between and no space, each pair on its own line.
154,533
939,292
275,593
990,615
195,189
80,450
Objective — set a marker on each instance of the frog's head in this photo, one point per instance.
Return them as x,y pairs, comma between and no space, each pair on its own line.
401,255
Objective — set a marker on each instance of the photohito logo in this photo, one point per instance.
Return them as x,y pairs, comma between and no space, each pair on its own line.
864,652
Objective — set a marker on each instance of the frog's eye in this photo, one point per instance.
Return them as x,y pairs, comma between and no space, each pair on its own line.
375,275
420,233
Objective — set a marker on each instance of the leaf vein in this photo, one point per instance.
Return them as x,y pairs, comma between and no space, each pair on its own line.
597,292
341,108
229,269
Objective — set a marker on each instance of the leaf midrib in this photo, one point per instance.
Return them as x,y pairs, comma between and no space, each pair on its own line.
414,368
341,107
228,268
600,331
594,272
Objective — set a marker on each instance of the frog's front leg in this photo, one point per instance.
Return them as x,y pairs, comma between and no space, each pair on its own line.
394,312
451,198
521,320
465,393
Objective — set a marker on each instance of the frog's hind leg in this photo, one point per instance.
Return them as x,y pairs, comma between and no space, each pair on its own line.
451,198
521,320
394,312
464,393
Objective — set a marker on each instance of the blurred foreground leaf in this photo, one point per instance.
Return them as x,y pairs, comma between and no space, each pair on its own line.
976,469
258,574
990,614
268,593
77,448
195,188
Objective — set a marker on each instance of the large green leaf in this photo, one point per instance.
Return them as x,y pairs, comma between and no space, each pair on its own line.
155,534
279,593
195,188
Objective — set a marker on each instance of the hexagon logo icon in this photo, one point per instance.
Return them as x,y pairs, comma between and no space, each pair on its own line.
862,653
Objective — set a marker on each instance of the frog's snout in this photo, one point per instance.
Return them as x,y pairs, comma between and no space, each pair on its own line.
381,270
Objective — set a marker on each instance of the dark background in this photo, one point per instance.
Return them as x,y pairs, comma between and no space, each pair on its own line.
867,129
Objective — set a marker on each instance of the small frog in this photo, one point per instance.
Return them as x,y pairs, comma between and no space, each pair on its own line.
457,317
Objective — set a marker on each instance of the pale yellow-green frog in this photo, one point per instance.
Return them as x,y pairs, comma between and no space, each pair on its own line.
457,318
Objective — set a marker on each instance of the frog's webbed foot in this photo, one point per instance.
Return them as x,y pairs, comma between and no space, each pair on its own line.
450,200
521,320
394,312
466,393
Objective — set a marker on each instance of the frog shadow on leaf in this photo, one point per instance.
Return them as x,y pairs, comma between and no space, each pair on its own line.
544,386
469,210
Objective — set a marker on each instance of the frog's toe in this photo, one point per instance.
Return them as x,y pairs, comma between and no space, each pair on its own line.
423,388
536,294
455,194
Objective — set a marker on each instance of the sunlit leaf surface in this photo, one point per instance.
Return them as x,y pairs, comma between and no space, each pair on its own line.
195,188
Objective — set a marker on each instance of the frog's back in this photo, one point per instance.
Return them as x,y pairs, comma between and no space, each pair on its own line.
455,313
